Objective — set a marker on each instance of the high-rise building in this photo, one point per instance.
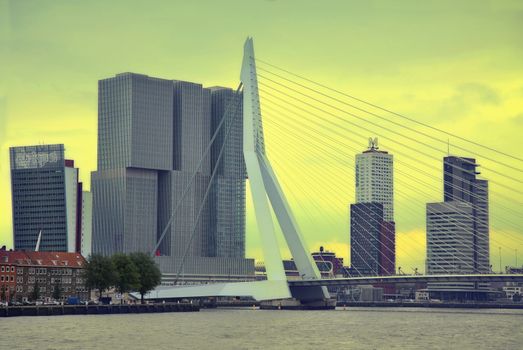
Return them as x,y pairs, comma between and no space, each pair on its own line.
45,196
461,184
373,230
366,220
228,200
450,238
86,224
458,230
153,134
375,178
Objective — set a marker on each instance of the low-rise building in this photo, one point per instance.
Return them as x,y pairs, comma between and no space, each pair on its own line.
510,291
22,271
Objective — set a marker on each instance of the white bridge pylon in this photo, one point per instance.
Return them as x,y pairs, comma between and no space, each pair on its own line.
266,193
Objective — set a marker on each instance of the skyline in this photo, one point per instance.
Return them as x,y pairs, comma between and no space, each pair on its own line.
461,90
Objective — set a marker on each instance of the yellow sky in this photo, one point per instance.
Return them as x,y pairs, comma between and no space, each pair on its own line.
454,65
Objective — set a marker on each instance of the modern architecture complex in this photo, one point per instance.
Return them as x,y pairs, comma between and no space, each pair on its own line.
153,165
47,199
458,229
372,227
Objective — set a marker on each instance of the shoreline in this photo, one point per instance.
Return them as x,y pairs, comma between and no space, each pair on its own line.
444,305
60,310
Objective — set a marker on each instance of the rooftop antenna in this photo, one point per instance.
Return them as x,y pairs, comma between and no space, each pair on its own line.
37,248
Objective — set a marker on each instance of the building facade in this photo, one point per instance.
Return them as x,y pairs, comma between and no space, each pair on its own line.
375,178
153,134
372,228
366,220
21,272
458,230
228,188
86,224
461,184
46,197
450,238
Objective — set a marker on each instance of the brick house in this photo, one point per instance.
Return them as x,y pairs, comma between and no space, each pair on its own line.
20,271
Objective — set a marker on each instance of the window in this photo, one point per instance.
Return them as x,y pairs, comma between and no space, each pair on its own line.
2,268
12,269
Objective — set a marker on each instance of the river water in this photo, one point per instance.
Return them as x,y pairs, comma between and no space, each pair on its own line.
354,328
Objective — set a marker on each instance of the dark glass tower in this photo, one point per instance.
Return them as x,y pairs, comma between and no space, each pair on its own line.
461,184
45,194
366,221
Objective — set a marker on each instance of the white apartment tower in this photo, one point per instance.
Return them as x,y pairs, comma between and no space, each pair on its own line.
374,178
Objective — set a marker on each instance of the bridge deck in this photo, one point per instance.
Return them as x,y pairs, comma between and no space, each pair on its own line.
409,279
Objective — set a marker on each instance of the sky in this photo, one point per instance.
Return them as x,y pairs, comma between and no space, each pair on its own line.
454,65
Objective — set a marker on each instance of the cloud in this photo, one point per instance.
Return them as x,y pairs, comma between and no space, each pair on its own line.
466,99
518,120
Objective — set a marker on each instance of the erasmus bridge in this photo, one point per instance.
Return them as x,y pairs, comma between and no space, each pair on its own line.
319,115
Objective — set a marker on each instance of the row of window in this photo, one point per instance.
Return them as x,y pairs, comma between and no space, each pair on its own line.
7,268
6,278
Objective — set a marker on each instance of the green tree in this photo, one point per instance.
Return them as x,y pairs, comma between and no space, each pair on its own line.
128,275
57,290
100,273
35,294
2,295
150,275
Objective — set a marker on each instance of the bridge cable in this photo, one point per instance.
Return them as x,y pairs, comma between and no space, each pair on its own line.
389,111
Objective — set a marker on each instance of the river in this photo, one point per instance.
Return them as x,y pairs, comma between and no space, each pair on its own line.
353,328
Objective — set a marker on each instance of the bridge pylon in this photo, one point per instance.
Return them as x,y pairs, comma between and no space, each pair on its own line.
266,192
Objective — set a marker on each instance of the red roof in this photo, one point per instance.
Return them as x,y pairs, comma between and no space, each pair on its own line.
44,259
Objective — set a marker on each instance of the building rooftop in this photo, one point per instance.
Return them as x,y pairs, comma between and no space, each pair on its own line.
42,259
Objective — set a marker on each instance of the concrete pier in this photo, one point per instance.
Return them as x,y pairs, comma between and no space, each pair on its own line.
56,310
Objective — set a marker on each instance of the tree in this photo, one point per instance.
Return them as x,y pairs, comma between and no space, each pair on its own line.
128,275
150,275
100,273
35,294
57,290
2,295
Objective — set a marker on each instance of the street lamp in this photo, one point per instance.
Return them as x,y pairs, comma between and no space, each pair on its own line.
500,271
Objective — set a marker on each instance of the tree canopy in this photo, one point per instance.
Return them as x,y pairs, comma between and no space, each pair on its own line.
128,274
150,275
100,273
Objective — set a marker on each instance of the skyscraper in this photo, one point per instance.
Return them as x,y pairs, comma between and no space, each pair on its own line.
461,184
45,195
228,201
450,238
366,220
153,134
373,230
375,178
457,229
86,224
